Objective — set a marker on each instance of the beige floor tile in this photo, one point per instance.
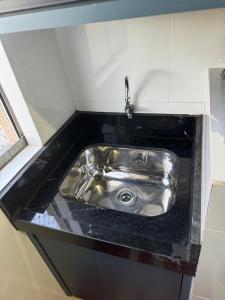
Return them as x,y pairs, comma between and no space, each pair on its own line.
33,269
10,255
15,290
3,280
23,273
33,266
22,287
195,297
210,279
216,215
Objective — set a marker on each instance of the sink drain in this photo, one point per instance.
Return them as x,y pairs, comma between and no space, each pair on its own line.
126,197
139,159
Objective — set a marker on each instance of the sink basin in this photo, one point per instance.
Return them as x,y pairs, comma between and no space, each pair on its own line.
133,180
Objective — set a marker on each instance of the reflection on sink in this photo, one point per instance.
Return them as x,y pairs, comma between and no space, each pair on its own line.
138,181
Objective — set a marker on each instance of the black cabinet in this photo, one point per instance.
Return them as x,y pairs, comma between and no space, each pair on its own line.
129,280
93,275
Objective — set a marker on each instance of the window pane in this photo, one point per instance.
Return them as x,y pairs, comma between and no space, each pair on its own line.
8,135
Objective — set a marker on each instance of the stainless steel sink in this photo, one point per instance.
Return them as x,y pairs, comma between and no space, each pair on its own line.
138,181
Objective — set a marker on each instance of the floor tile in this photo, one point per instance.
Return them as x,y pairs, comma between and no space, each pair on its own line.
10,253
210,279
216,214
195,297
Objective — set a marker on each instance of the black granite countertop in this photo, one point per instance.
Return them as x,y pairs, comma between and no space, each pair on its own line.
171,240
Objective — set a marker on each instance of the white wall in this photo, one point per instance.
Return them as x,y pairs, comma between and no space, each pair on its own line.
166,57
36,62
217,106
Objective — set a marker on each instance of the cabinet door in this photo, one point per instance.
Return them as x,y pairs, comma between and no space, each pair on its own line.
79,268
93,275
129,280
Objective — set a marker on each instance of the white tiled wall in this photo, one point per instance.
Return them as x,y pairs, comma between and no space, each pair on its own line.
167,59
197,44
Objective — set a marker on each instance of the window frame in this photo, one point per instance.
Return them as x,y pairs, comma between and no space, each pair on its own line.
25,125
21,143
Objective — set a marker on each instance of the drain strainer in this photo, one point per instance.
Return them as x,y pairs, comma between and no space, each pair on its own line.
139,158
126,197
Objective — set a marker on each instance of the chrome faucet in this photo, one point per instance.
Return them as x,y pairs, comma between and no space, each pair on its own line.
129,108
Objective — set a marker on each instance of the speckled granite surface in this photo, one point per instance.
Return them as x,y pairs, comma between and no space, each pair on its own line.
171,240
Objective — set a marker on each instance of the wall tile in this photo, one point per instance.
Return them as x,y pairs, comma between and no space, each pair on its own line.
197,44
165,60
98,56
144,107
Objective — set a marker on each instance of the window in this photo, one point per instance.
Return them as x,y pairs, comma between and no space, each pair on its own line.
12,140
22,140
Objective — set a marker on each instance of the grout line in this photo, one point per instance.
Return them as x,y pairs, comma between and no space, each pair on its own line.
144,102
203,298
218,183
170,56
213,230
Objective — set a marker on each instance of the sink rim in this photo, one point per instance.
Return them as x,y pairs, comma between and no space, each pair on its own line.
129,147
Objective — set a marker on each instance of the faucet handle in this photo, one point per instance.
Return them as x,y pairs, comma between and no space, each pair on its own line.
129,110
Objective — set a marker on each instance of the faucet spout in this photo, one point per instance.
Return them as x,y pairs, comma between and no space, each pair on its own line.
129,108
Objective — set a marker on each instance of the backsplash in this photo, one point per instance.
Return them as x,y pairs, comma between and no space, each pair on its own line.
167,59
